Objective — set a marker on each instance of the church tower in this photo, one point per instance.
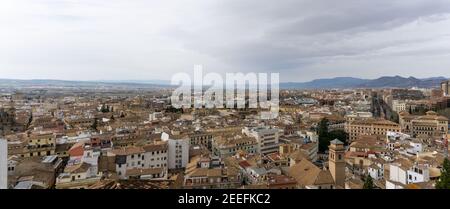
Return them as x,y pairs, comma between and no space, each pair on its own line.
336,162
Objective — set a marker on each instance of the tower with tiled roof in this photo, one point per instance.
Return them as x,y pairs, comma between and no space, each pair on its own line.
336,162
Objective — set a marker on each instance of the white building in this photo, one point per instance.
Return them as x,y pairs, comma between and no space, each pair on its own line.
358,115
399,105
155,116
419,173
149,161
3,164
397,177
91,156
267,138
401,175
415,148
178,150
376,170
81,170
394,139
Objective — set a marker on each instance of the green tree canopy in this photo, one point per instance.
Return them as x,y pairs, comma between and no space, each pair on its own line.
368,183
444,179
326,136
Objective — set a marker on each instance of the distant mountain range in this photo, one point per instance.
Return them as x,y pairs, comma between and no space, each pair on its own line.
338,82
350,82
80,84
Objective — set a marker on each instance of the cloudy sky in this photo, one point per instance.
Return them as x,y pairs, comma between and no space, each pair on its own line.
153,39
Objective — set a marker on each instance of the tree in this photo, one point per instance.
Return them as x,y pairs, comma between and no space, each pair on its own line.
326,136
104,108
368,183
30,120
444,179
323,127
94,125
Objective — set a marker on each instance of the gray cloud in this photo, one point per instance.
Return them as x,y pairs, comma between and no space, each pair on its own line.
301,39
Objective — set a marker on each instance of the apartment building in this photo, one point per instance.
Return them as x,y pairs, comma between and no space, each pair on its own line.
430,124
37,144
226,146
371,127
178,150
209,178
148,161
200,137
266,137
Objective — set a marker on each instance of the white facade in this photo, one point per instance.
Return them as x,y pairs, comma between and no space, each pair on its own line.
358,115
393,185
415,149
91,156
178,151
399,177
418,173
398,105
267,138
155,116
397,174
376,171
156,158
3,164
142,161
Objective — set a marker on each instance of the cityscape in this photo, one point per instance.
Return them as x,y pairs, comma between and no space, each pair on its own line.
305,94
113,136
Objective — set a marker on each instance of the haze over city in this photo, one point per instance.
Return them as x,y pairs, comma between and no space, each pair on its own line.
301,40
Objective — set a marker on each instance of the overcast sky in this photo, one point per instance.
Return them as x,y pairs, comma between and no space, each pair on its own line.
153,39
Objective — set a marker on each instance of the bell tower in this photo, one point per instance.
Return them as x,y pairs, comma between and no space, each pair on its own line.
336,162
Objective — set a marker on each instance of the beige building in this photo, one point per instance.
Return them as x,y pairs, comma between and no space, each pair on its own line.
399,105
201,138
336,162
370,127
37,144
430,124
226,146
